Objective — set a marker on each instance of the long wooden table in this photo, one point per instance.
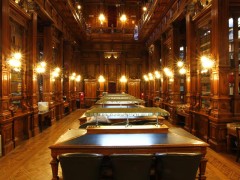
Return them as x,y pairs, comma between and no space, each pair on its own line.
176,140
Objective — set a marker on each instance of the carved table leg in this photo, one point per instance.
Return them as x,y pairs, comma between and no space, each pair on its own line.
54,164
202,168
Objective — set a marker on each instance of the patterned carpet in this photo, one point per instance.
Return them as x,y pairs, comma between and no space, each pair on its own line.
30,160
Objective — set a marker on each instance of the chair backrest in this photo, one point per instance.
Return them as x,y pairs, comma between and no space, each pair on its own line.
80,166
238,143
238,135
177,166
131,166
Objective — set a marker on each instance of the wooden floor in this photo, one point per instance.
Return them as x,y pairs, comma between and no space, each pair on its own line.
30,160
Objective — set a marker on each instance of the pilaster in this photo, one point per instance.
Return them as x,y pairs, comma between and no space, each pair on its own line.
6,121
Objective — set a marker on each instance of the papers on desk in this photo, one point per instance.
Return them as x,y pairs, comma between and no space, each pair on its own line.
71,134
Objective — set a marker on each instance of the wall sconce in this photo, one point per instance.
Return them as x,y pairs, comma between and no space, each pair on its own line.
78,78
168,72
206,63
113,55
15,61
180,64
56,72
73,76
182,71
157,75
150,76
123,79
144,8
145,77
101,18
101,79
123,18
41,67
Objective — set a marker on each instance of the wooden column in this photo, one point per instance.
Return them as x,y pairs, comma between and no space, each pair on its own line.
220,101
164,80
66,68
31,74
156,67
6,121
236,96
58,82
48,54
175,54
192,77
191,65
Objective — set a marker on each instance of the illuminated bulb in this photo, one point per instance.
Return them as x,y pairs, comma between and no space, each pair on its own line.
146,77
101,18
157,75
207,63
101,79
40,69
168,72
72,77
43,64
123,18
144,8
57,69
78,78
150,76
180,64
78,7
16,63
55,74
182,71
123,79
17,55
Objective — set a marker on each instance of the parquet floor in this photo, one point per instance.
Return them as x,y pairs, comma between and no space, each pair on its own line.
30,160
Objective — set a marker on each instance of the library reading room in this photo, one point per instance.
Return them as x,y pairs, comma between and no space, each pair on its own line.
120,90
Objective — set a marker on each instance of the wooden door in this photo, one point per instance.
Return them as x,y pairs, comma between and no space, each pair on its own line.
112,87
134,87
90,91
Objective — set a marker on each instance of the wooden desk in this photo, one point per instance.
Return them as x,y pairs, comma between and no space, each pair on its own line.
43,118
174,141
231,133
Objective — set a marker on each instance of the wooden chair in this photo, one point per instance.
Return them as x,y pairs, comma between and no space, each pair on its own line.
131,166
238,143
77,166
176,166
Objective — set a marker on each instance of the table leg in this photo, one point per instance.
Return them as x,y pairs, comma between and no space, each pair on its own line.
202,168
54,165
228,143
